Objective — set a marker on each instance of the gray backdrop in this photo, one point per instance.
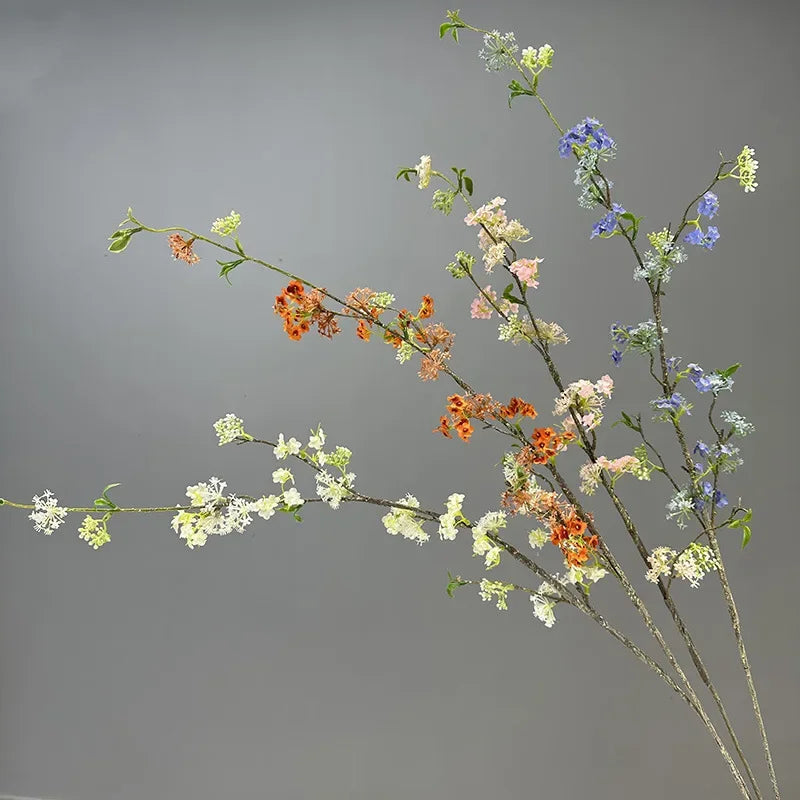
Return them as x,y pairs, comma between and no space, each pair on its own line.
324,660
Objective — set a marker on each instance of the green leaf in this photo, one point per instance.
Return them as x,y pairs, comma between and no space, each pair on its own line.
120,243
404,173
468,184
726,373
516,89
628,423
2,502
117,234
298,517
510,297
745,536
454,584
228,266
444,28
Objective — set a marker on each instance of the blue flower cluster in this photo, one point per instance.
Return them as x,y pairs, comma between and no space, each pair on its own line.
675,402
707,381
589,133
608,224
707,207
642,338
709,494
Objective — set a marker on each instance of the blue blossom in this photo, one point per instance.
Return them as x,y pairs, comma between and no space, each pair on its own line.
605,225
616,356
702,382
675,402
698,466
695,236
708,488
707,239
720,500
619,332
589,133
672,363
702,448
709,205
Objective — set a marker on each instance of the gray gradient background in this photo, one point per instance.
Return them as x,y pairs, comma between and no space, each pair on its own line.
325,661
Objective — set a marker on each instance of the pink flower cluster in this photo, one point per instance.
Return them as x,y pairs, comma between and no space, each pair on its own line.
527,270
482,309
496,231
587,399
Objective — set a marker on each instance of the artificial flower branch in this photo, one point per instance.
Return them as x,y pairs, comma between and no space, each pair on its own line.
533,460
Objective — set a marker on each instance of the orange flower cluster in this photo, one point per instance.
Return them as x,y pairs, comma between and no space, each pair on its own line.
299,309
359,301
517,405
439,342
546,443
569,535
462,409
182,249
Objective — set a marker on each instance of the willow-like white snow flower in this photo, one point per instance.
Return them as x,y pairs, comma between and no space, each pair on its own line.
317,439
482,545
497,590
284,448
265,506
292,498
282,475
448,522
333,490
402,521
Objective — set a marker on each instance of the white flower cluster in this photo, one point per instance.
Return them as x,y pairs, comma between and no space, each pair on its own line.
495,589
482,545
217,514
403,521
680,507
657,263
498,50
691,564
740,426
47,515
448,522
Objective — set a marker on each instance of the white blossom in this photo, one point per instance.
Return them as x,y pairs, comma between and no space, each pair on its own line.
47,515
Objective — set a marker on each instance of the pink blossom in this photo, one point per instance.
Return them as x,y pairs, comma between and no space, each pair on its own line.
481,308
527,270
605,385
